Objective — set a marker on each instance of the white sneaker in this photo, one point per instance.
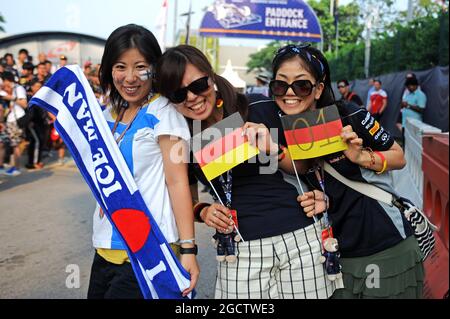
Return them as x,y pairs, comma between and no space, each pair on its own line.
13,172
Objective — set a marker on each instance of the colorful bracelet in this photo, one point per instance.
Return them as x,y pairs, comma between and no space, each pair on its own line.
372,157
384,162
197,210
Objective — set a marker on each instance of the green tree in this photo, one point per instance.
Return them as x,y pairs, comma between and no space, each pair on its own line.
2,20
262,60
349,24
418,45
350,30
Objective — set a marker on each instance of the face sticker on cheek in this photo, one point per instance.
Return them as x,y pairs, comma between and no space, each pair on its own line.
118,76
146,74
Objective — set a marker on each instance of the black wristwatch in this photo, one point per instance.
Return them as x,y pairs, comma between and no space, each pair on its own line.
187,251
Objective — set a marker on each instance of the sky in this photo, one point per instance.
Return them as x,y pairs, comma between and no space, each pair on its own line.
100,17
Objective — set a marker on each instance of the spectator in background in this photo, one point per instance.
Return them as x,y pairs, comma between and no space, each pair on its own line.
62,62
27,76
378,101
50,67
262,85
35,133
87,68
21,59
413,102
95,82
4,138
369,92
17,98
408,76
10,65
42,57
347,95
42,74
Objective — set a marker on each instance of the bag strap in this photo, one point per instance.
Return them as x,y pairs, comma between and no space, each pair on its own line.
374,192
363,188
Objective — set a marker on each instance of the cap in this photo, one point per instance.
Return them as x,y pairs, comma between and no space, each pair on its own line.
87,64
263,77
63,57
343,81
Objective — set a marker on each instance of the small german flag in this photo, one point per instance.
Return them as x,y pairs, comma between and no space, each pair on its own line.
314,133
221,147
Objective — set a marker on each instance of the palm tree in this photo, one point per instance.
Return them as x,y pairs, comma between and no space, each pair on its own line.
2,20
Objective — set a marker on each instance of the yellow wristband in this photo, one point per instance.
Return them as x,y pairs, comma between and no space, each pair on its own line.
383,159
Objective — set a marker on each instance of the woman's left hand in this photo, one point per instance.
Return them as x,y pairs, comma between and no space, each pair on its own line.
313,203
189,262
259,136
354,144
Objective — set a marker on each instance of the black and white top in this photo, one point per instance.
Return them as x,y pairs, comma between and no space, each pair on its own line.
363,226
265,199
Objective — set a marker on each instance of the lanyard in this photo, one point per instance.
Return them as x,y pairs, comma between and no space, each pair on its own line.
227,186
120,117
320,175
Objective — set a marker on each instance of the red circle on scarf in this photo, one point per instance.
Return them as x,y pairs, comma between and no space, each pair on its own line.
134,226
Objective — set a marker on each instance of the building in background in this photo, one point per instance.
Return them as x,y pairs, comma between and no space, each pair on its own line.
78,48
220,54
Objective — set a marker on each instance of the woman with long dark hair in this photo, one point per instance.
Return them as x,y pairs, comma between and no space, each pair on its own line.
146,127
380,255
280,255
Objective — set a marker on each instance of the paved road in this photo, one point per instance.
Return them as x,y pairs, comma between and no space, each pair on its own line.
46,228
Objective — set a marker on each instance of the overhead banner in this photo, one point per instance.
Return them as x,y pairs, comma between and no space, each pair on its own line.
289,20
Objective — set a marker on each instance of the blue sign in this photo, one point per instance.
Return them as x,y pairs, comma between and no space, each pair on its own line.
289,20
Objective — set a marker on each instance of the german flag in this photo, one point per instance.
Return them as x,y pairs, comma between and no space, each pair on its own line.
221,147
314,133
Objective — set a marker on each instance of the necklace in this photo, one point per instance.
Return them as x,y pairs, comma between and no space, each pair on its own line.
121,114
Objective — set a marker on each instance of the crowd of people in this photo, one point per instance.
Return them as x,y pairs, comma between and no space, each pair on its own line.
283,231
413,101
26,130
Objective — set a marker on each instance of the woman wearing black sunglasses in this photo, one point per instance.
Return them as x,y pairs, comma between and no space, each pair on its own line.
380,256
280,255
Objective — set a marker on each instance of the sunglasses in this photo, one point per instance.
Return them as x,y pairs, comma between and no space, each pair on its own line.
301,88
197,87
341,86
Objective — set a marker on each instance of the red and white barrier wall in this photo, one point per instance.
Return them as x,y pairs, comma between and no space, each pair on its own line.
435,162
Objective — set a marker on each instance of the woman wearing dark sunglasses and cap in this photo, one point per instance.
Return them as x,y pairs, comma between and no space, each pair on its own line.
380,256
280,255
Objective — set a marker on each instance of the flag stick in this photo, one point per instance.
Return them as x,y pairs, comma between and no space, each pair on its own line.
220,200
300,184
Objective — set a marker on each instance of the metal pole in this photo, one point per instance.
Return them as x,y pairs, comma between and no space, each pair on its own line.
175,19
337,35
367,46
409,16
188,22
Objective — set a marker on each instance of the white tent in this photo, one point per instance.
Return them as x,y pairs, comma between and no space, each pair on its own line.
233,77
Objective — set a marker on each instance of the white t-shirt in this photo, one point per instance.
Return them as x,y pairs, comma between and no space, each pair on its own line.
143,156
16,111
